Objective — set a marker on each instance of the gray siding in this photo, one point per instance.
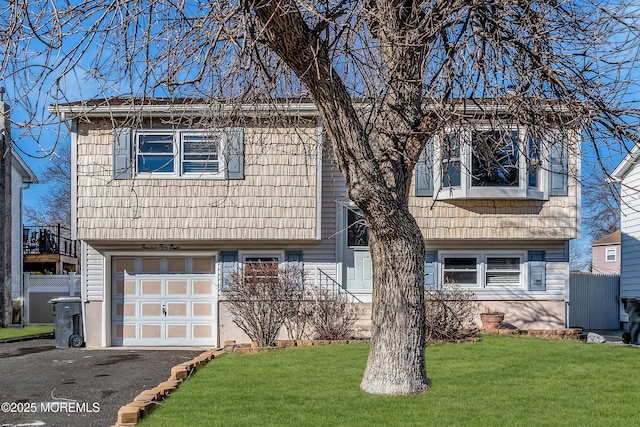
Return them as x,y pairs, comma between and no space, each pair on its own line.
323,254
630,239
557,268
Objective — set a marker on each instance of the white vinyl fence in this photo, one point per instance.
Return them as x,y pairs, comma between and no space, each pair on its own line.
40,288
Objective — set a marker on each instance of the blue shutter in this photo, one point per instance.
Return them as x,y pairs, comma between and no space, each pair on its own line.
293,258
431,270
234,153
122,166
559,164
228,265
424,171
537,271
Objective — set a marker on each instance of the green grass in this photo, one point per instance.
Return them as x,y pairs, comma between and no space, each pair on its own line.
499,381
27,331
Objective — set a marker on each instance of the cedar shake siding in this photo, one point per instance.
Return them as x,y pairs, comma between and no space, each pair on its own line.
553,219
276,199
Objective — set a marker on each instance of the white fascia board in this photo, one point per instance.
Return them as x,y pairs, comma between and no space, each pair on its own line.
28,176
172,110
625,165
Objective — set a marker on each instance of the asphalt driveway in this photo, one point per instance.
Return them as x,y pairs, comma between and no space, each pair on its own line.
41,385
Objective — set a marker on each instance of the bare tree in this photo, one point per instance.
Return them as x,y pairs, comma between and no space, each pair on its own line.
600,204
54,207
421,66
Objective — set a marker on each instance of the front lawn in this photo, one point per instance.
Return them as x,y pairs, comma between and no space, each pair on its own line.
27,331
499,381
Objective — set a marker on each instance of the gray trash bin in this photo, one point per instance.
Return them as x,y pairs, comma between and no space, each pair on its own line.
67,314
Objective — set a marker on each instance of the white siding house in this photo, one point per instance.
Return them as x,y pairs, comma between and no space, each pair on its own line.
169,198
22,177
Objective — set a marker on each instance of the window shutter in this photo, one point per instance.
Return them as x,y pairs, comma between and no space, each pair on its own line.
431,270
234,153
537,271
559,164
294,261
122,153
229,264
293,258
424,171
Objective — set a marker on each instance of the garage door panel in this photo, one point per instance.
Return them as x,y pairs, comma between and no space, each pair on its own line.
177,309
177,287
202,309
151,309
175,306
177,331
150,287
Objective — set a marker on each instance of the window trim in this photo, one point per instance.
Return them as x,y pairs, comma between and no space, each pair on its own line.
178,154
139,155
466,190
606,254
481,267
219,149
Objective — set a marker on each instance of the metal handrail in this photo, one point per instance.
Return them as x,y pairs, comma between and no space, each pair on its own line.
48,239
329,282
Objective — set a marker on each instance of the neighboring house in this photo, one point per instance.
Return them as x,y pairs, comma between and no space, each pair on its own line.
166,211
19,178
628,175
605,254
22,177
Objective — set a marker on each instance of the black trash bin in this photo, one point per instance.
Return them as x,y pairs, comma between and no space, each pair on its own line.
67,314
632,308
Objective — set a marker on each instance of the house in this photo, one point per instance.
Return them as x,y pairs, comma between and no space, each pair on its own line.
605,254
19,179
627,173
49,249
22,177
170,197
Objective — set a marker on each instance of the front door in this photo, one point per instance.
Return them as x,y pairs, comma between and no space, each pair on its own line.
357,257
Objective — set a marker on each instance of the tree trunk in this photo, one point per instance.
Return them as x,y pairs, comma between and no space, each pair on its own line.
378,184
396,362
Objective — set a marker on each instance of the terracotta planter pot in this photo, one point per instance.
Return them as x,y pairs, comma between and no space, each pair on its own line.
492,321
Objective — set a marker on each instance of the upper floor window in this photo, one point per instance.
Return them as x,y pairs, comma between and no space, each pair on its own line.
486,162
182,153
494,159
178,153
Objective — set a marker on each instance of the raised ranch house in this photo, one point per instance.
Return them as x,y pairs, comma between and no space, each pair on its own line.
170,197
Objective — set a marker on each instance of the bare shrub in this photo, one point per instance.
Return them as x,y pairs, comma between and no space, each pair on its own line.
264,297
260,299
450,313
334,316
297,313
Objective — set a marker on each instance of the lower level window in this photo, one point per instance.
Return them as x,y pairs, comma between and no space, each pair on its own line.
485,270
463,271
503,271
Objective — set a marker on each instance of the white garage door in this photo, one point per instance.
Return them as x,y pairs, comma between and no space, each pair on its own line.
164,301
